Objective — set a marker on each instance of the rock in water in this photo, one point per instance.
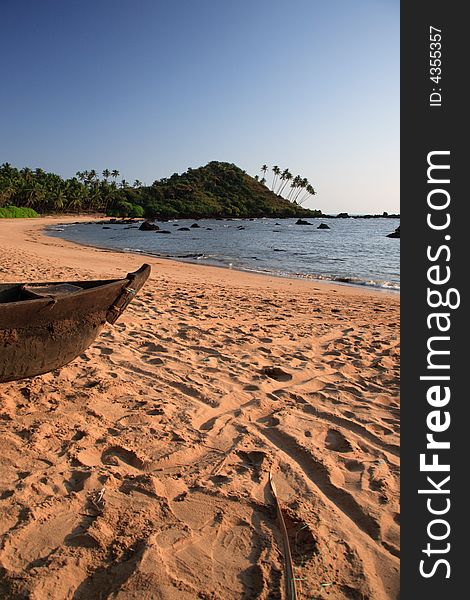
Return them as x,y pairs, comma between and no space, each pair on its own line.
302,222
147,226
323,226
395,234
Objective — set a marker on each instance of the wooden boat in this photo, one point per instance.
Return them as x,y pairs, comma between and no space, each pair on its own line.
44,326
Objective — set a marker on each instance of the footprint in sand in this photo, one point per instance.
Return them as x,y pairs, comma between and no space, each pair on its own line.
276,373
155,361
152,347
301,538
251,388
220,479
116,454
253,459
336,441
354,466
380,429
105,351
76,483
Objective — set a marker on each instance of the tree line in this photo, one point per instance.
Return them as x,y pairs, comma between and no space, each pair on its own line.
50,193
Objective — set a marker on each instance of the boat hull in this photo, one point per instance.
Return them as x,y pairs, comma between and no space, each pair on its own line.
42,334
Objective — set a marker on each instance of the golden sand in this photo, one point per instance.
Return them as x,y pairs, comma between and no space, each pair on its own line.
141,469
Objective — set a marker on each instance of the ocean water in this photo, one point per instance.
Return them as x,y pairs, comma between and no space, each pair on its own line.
354,251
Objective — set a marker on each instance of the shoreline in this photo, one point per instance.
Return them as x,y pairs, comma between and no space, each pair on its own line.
144,464
307,280
312,279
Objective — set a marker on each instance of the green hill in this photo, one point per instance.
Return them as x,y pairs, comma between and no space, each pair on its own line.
216,190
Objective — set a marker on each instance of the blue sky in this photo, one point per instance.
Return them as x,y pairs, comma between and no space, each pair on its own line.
152,87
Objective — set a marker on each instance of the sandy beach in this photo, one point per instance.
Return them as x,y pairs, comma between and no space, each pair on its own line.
141,469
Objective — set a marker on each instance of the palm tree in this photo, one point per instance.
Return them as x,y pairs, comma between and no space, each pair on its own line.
282,180
91,175
294,185
124,183
287,177
309,192
302,185
137,183
262,181
115,174
264,170
276,170
106,173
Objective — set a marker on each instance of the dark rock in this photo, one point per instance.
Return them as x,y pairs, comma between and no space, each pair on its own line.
106,228
302,222
147,226
209,228
241,227
323,226
163,231
343,215
395,234
194,226
184,229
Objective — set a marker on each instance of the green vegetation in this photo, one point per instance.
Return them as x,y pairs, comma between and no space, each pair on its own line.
14,212
218,189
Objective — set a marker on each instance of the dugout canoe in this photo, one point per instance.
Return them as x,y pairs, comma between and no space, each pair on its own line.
44,326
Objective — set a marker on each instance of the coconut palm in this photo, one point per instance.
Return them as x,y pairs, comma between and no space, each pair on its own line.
106,174
286,176
264,170
280,182
137,183
309,192
293,186
276,170
302,185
